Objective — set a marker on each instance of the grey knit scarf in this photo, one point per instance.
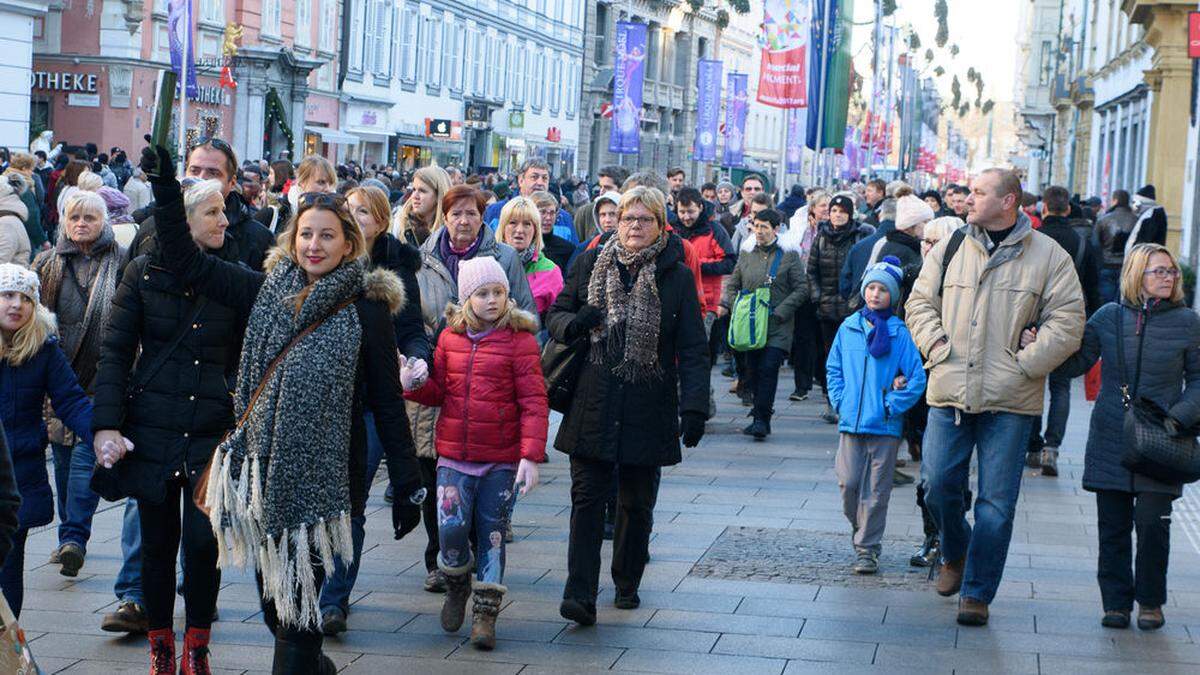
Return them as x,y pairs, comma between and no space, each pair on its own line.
279,490
632,318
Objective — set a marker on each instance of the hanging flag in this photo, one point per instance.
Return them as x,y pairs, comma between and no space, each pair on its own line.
797,121
180,38
708,110
783,71
831,64
628,74
735,120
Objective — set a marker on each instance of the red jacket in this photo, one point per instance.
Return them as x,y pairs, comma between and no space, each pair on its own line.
714,253
491,393
689,258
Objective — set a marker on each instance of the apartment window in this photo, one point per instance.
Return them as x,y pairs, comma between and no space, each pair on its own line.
556,82
1045,65
454,55
304,23
212,11
530,70
271,12
539,81
410,57
479,82
329,25
603,47
652,51
572,76
382,64
433,57
516,67
358,41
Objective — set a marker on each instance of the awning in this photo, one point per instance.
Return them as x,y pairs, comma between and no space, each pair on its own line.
370,136
333,135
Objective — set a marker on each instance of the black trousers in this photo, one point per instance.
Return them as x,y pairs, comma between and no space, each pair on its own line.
637,492
297,651
829,329
429,511
763,372
1122,578
164,527
806,343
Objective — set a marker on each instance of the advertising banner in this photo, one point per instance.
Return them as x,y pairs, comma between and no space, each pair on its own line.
708,110
783,71
735,120
628,75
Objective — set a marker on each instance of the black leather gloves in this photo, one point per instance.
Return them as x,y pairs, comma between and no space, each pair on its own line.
691,428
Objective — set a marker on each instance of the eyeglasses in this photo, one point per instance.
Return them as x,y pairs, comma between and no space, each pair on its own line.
1163,272
329,200
647,221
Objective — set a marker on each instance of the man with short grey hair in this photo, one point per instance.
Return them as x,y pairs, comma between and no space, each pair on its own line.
533,176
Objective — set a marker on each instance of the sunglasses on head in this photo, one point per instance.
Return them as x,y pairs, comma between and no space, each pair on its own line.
213,141
324,199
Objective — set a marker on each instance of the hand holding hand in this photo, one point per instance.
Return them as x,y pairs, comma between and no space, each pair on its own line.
722,311
901,382
413,372
1028,337
527,476
110,447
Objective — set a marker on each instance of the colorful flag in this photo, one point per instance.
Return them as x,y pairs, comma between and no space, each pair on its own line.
783,72
797,121
180,39
831,65
628,74
708,110
735,120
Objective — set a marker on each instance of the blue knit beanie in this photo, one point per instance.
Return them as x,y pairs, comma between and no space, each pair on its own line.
886,272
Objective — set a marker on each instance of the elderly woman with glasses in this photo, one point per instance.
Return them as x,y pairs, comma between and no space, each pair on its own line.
1159,345
633,305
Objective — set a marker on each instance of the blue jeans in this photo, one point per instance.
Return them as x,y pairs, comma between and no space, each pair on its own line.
129,579
945,467
1110,283
73,492
474,505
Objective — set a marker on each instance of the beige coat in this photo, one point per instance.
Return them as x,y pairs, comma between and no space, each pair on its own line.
988,301
14,240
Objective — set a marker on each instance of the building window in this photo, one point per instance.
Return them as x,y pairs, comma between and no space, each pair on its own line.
382,63
495,66
454,54
433,58
603,47
1045,66
682,57
572,86
530,69
212,11
304,23
539,81
479,81
556,78
652,51
358,40
329,25
409,55
516,67
271,12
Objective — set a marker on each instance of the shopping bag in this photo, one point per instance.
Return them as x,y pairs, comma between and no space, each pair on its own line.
15,657
1091,383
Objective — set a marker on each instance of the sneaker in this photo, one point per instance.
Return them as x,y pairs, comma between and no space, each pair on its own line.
333,621
130,617
901,478
829,416
435,581
1115,619
867,563
758,429
798,396
70,556
54,559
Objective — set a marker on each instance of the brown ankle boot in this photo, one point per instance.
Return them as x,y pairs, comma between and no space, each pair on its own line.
195,653
972,612
950,575
1150,618
162,651
454,608
483,615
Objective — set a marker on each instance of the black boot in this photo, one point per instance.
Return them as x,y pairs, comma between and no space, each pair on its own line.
294,657
927,555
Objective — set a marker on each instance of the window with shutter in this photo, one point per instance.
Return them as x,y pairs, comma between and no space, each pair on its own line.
480,81
454,46
433,75
383,38
303,22
359,38
329,21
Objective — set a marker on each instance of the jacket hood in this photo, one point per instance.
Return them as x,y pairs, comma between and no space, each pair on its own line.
379,284
903,238
1153,308
388,249
850,229
703,224
614,197
516,318
10,200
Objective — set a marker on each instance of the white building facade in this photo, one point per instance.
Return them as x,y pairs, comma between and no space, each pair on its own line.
16,43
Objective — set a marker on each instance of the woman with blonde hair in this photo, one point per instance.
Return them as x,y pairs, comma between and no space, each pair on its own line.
314,174
521,228
421,213
1156,338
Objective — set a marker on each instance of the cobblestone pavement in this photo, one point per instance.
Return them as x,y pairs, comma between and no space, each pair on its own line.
704,607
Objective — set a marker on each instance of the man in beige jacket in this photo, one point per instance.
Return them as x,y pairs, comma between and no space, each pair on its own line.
984,390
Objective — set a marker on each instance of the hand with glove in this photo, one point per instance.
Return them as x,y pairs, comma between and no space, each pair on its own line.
156,161
413,373
587,318
691,428
406,513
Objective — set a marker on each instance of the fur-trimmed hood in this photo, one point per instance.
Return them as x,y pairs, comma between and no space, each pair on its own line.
515,318
380,285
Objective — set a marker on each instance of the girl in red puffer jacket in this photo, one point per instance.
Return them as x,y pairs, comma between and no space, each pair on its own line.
491,435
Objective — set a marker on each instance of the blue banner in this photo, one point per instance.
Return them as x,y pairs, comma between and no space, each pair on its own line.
708,110
628,74
797,128
822,46
735,120
180,38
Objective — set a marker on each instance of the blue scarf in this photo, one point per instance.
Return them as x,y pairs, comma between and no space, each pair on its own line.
879,340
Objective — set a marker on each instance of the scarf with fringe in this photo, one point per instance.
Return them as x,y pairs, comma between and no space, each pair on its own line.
632,318
279,490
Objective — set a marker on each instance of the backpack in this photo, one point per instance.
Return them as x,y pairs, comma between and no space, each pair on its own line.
752,312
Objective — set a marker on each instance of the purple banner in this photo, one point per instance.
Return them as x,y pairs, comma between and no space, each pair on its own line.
628,74
708,110
735,120
797,131
180,38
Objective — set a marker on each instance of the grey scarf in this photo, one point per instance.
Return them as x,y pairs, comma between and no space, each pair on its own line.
279,488
632,318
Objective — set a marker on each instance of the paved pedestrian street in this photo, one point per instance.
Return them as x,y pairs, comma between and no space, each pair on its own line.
749,574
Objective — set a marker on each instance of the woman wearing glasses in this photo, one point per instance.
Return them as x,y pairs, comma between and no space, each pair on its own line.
633,301
1161,337
319,349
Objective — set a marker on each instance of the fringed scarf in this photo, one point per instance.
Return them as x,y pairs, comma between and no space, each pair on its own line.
279,491
630,333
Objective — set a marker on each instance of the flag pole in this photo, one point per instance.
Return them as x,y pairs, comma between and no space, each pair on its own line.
183,78
821,90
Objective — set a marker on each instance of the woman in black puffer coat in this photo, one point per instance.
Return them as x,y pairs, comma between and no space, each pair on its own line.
1162,335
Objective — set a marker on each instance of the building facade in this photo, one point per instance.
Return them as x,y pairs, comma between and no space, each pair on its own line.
678,38
1038,31
96,69
16,43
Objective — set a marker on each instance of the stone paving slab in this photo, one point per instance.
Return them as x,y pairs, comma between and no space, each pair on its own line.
707,603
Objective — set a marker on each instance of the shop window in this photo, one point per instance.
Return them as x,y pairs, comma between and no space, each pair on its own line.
303,23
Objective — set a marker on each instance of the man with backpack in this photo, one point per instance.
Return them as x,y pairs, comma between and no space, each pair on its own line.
979,288
1074,236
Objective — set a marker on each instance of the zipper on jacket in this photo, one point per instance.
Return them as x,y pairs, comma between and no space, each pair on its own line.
862,389
467,395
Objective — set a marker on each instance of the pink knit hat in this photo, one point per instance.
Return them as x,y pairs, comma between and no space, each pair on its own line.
478,272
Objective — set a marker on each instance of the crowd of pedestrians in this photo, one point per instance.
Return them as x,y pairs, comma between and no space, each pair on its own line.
237,350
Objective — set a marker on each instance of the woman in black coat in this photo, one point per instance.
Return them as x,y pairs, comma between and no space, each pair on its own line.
1161,339
644,383
10,500
174,406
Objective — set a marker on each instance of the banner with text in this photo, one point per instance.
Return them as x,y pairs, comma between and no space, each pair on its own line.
783,71
735,120
708,110
180,38
628,75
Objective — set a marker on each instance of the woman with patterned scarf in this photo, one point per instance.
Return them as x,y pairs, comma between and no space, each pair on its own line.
643,385
319,346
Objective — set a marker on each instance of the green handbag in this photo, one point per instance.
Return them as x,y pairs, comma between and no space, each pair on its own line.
748,322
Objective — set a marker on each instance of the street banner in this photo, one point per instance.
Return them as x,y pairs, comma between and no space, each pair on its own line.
783,71
708,110
831,65
797,121
735,120
179,39
628,74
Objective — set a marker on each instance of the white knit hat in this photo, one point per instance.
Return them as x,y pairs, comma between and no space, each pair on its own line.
912,211
17,278
477,272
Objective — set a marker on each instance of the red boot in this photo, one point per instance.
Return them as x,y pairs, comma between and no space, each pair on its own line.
195,652
162,651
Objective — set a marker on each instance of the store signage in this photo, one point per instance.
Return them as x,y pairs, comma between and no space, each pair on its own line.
516,119
208,95
477,116
80,82
554,134
437,128
1194,35
79,100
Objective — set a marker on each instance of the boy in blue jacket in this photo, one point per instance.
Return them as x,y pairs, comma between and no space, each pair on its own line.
875,375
